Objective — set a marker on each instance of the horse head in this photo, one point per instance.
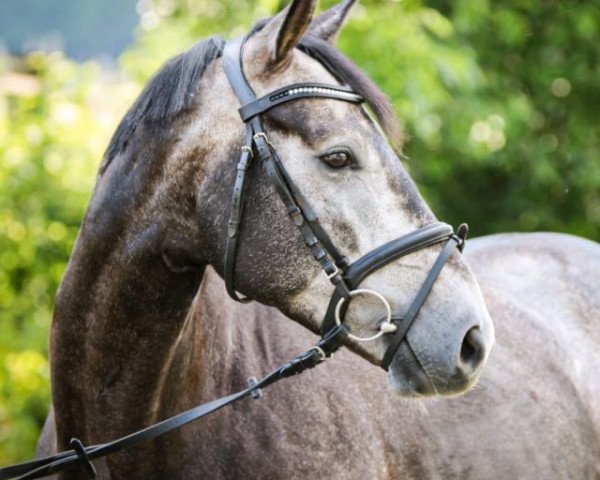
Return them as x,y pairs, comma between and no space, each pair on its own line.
334,158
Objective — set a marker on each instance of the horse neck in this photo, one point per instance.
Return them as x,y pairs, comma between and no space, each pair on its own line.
223,344
203,362
123,302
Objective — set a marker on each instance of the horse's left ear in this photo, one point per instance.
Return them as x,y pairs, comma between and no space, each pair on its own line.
287,27
329,23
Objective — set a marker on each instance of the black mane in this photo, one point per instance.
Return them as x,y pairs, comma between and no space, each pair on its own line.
171,91
173,88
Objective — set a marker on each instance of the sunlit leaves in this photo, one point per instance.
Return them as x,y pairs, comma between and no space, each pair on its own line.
55,120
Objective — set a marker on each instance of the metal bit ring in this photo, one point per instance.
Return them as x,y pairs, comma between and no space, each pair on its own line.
386,326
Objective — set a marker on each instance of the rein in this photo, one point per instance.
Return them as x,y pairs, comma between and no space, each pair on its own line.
83,456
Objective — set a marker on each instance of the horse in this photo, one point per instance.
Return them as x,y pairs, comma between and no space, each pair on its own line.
143,329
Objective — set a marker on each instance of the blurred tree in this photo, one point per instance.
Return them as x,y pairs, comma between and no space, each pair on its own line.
497,98
55,120
525,145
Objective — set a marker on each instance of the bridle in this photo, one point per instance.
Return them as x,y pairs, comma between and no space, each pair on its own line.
345,277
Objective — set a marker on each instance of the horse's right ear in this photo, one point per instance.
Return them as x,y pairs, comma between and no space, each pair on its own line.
286,28
328,25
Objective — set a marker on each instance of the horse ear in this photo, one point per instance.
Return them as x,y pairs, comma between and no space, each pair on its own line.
286,28
329,23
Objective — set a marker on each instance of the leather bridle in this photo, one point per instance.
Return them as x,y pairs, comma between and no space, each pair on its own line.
345,277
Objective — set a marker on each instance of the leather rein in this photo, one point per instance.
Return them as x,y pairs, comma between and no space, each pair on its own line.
344,277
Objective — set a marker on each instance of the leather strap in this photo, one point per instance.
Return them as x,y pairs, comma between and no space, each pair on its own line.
378,258
405,322
295,91
235,219
311,217
232,64
276,173
84,455
381,256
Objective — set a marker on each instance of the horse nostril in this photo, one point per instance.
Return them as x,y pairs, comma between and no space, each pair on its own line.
472,351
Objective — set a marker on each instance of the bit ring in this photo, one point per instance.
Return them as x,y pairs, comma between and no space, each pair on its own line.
386,326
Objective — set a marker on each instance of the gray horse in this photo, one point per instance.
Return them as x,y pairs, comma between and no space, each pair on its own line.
143,328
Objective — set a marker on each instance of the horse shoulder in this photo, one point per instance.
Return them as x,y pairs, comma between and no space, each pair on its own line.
556,275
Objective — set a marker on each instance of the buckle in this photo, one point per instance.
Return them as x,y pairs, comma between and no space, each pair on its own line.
263,135
385,327
336,270
246,148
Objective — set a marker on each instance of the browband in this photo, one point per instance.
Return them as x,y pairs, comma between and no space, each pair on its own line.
296,91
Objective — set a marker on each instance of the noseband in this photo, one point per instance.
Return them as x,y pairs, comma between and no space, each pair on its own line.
345,277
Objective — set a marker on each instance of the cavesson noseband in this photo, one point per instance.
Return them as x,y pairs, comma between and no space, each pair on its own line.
345,277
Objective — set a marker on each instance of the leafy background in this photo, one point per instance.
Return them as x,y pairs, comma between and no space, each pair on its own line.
500,101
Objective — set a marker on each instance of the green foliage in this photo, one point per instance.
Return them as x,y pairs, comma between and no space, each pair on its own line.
524,145
54,123
499,100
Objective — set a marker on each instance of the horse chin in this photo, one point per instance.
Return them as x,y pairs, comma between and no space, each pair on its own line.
416,387
410,378
407,376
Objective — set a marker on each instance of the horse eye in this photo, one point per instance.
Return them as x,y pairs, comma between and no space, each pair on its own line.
337,159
